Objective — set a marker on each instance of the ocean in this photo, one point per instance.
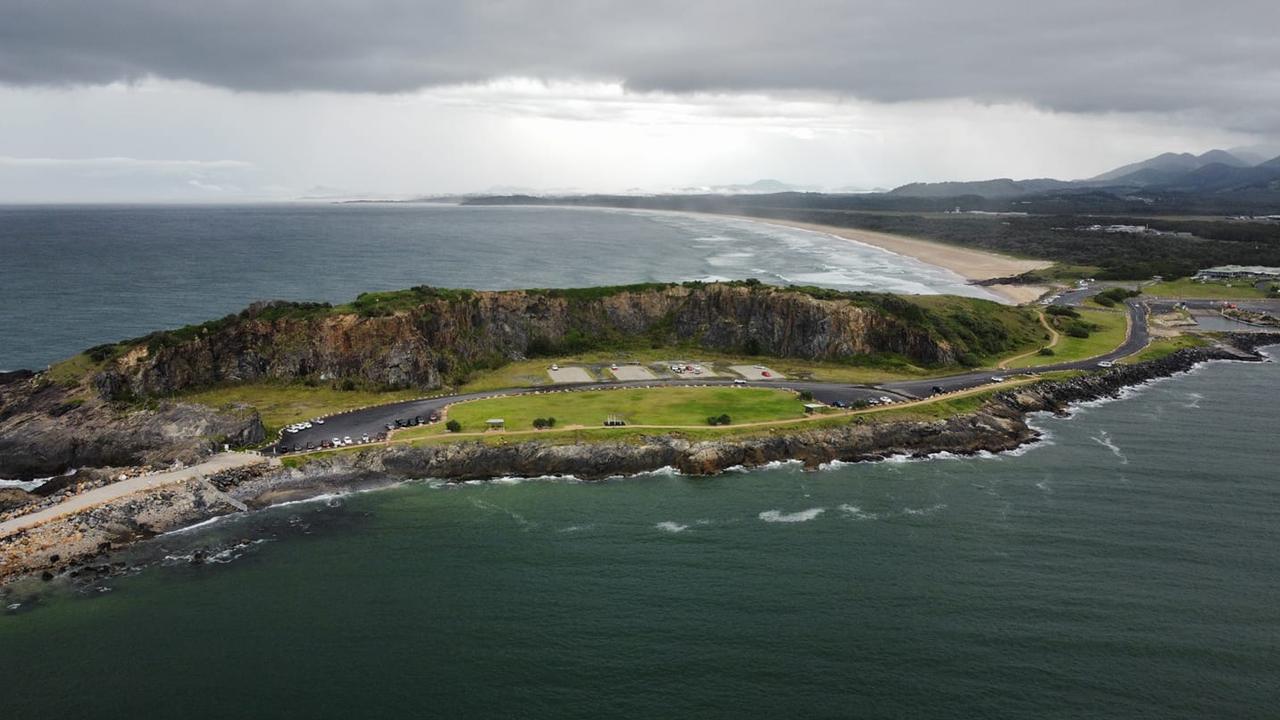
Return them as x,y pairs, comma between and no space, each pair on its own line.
1126,567
73,277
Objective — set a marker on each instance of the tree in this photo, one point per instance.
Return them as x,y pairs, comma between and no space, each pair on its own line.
806,396
453,426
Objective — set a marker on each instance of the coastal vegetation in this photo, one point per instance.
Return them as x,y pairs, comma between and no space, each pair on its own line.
1162,347
1207,290
660,406
282,404
425,338
1084,333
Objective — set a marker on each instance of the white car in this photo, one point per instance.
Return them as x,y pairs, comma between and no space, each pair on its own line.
555,367
998,378
1106,364
318,421
885,399
336,442
347,440
613,366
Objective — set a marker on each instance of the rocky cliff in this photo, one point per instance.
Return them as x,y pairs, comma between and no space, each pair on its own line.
47,428
425,338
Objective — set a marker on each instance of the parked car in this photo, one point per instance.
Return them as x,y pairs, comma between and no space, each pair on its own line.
347,440
765,373
998,378
318,421
935,389
739,381
434,417
1106,364
364,438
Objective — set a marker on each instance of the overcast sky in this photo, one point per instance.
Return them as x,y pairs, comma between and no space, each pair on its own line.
242,99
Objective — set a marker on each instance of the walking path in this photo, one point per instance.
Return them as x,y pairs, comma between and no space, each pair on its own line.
1053,340
114,491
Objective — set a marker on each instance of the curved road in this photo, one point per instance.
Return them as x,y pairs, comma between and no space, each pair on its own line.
375,419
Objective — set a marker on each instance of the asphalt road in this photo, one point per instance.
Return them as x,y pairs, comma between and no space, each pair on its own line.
375,419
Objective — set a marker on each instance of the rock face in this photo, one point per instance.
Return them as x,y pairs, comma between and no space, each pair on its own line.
46,429
431,337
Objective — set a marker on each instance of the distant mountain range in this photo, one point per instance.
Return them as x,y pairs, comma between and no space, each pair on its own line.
1216,171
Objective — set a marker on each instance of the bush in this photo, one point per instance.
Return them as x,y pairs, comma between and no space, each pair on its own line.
1104,301
453,426
806,396
543,423
1046,351
1077,330
1062,310
719,420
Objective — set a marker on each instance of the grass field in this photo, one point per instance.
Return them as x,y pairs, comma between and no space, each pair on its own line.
1099,342
531,373
656,406
281,404
1160,347
1188,288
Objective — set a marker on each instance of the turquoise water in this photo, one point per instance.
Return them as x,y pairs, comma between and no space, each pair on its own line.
1127,568
74,277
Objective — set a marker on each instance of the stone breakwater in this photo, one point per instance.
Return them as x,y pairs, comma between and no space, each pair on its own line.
81,543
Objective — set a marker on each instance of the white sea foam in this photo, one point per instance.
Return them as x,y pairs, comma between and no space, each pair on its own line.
671,527
924,511
858,513
1103,438
777,516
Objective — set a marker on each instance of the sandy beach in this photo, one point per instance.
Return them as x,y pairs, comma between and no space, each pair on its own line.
967,263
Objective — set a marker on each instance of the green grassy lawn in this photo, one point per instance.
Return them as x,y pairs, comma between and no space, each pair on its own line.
1109,337
670,406
1160,347
72,371
283,404
1188,288
533,373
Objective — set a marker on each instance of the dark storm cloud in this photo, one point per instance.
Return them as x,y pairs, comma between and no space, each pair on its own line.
1221,59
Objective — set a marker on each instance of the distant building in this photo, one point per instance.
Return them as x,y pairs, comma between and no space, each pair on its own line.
1231,272
495,423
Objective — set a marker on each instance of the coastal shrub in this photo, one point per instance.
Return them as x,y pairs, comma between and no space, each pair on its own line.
1077,330
719,420
1104,301
1062,311
1046,351
544,423
453,426
806,396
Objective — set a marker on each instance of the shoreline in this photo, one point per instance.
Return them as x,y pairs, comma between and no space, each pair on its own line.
972,265
80,545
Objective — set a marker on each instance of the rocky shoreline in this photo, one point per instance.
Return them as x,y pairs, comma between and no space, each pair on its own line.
82,543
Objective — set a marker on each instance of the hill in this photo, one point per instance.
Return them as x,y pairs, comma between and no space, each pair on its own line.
427,338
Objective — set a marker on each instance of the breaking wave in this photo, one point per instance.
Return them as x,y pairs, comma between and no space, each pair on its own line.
777,516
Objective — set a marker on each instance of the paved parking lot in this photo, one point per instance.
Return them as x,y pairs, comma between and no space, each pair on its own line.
756,372
633,372
570,375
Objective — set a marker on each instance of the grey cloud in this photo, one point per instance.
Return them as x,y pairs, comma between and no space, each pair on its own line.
1219,60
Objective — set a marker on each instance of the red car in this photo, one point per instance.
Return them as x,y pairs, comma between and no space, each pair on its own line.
765,373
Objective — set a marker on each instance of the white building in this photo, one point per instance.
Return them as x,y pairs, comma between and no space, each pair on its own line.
1227,272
